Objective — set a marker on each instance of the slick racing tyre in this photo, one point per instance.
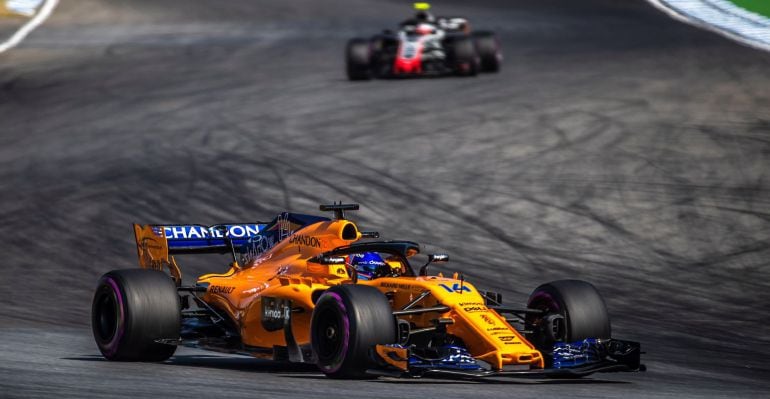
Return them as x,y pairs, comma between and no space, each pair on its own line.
348,320
461,55
488,50
573,311
132,309
358,59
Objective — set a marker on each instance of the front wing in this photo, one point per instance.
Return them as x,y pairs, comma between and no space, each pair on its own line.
601,356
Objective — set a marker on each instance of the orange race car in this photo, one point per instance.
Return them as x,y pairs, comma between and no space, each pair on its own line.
307,289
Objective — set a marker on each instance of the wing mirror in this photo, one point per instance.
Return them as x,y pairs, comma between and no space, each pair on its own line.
433,258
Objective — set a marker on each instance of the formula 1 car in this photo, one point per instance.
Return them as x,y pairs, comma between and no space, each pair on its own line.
424,45
311,289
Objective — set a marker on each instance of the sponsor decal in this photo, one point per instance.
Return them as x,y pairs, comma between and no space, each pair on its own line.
471,309
409,50
275,313
149,248
255,247
399,286
488,319
189,232
304,240
220,289
372,262
285,227
282,271
508,338
150,243
498,329
470,304
456,287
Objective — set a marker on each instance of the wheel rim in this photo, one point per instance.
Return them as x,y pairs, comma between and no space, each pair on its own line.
545,301
331,333
330,336
549,305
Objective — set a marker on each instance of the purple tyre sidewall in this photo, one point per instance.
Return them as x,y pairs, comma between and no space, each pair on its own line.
111,347
340,359
545,297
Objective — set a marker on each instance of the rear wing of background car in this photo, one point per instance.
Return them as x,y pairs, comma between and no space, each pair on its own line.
454,24
155,243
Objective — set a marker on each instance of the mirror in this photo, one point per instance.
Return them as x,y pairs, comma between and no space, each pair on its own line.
438,258
433,258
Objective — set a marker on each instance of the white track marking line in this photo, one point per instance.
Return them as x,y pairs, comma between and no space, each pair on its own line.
26,29
721,17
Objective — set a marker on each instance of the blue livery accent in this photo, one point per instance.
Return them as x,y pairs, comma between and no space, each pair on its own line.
573,354
452,358
456,287
191,236
283,226
366,264
249,239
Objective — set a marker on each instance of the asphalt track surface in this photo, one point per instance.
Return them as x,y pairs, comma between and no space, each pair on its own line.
616,146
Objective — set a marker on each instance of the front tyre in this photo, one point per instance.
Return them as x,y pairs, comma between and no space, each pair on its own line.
349,320
358,59
573,310
132,309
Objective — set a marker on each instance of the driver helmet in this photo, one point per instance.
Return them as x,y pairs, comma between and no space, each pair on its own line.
424,29
366,264
424,16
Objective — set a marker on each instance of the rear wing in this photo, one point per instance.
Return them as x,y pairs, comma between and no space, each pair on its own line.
155,243
454,24
196,239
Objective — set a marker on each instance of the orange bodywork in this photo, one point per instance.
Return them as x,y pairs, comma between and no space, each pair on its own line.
284,272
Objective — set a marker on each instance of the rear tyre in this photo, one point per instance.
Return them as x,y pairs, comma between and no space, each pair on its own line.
131,310
358,59
349,320
488,49
461,55
574,311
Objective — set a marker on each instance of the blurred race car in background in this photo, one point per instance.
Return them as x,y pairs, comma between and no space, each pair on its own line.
307,289
424,45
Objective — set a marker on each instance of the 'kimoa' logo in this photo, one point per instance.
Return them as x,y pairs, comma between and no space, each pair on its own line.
276,313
